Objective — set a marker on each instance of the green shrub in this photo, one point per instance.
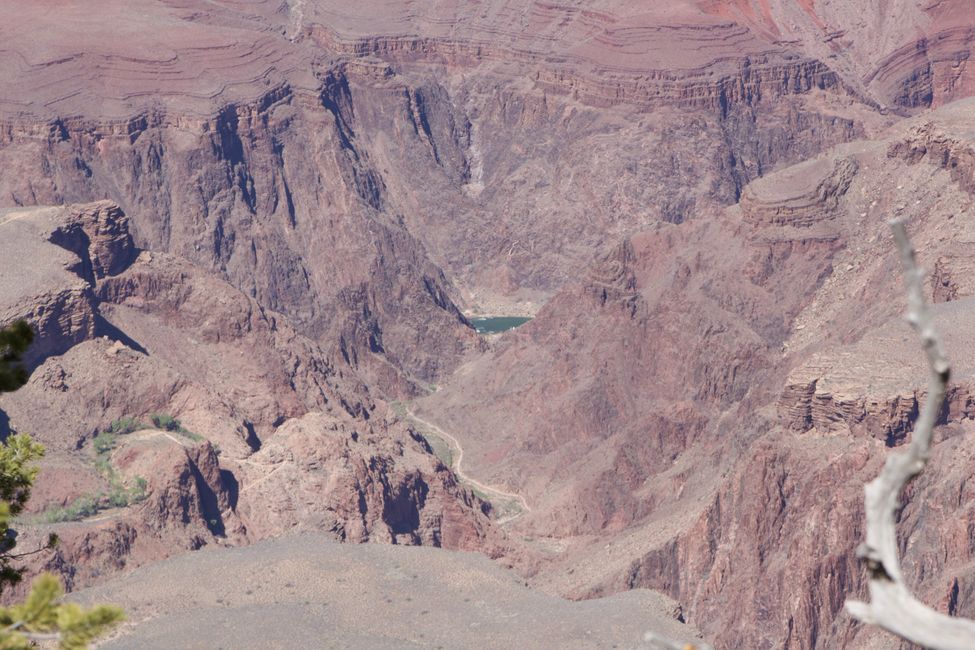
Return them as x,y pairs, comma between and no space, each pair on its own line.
165,421
123,426
103,465
89,505
195,437
117,497
104,442
82,507
139,491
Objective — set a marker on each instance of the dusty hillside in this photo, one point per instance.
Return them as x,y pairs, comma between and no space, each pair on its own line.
272,217
304,592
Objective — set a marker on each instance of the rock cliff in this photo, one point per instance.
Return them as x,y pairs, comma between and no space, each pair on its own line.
305,198
682,409
241,409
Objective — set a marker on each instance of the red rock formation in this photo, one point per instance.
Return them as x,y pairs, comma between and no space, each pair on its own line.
320,185
189,345
288,162
678,415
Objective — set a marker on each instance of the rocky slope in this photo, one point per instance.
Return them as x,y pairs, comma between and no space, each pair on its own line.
675,417
290,440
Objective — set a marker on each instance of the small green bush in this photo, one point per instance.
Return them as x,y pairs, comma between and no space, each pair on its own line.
104,442
89,505
103,465
117,497
123,426
195,437
82,507
139,491
165,421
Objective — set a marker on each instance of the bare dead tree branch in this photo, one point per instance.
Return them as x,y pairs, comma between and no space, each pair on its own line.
892,606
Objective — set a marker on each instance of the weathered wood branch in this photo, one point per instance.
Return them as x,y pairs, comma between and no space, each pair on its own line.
892,606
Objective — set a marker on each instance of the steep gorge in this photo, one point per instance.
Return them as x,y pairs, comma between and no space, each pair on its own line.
685,406
320,195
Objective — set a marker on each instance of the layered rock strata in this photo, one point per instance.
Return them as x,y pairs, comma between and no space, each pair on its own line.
260,411
779,365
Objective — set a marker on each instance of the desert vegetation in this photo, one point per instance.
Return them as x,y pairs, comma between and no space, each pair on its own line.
119,494
41,617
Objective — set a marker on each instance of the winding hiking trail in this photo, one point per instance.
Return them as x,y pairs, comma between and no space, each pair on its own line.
117,512
459,471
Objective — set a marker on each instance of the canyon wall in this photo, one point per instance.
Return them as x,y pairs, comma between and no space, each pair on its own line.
284,211
685,407
154,350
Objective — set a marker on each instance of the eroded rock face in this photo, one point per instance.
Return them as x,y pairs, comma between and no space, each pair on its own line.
168,339
929,143
319,474
679,413
827,391
290,162
828,180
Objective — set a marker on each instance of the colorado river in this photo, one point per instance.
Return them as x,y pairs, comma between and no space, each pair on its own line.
496,324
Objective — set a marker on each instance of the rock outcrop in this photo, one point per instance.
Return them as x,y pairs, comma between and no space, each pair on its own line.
803,196
828,392
167,343
930,144
677,414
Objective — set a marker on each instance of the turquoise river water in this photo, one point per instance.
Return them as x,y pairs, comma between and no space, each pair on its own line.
496,324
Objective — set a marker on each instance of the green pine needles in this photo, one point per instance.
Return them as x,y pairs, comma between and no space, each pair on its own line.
17,473
14,341
41,617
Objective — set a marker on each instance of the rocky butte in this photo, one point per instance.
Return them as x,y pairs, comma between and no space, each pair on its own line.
252,237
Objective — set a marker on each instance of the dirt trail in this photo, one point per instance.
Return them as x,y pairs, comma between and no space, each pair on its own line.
459,470
262,477
144,434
